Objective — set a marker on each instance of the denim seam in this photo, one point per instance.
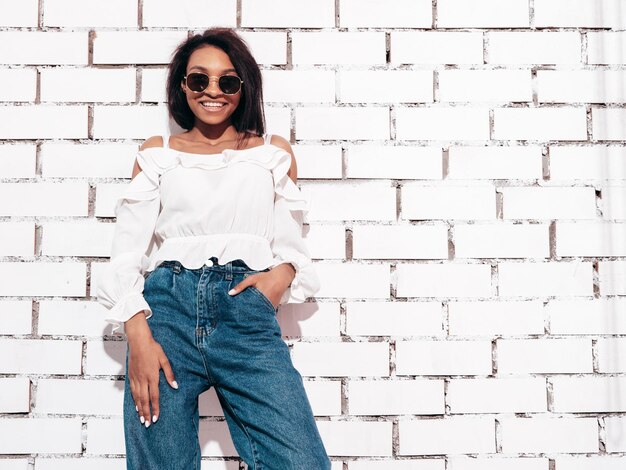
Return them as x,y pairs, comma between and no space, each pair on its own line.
245,429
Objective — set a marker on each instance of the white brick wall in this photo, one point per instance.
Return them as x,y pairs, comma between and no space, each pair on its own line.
466,163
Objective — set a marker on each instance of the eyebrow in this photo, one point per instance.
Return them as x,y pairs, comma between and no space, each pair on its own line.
206,70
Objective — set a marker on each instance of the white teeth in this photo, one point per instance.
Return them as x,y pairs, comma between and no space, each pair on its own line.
212,105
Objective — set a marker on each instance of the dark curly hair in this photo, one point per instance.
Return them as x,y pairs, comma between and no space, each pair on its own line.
249,115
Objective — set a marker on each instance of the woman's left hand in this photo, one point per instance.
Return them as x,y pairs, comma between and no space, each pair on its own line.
272,283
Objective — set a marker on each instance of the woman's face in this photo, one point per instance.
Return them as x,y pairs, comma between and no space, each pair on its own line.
214,62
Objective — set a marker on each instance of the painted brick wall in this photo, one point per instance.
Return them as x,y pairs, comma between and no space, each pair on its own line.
467,169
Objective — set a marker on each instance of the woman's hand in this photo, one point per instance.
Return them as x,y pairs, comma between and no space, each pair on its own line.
272,283
144,362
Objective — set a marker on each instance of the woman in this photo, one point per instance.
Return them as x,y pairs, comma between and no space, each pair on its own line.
207,245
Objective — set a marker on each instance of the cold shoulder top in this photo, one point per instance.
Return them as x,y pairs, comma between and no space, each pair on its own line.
236,204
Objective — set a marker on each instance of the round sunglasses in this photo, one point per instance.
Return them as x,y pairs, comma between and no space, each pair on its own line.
198,82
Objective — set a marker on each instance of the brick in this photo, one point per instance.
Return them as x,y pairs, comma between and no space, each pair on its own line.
45,199
333,123
540,123
19,14
494,162
43,121
342,359
443,280
495,318
15,394
482,14
580,14
18,160
485,86
135,47
612,277
443,357
102,160
16,318
592,462
17,238
39,356
370,200
611,353
544,356
354,280
397,14
581,86
613,203
590,239
590,162
451,435
309,320
501,240
606,47
78,396
439,123
87,84
287,14
284,86
44,48
587,394
615,427
533,47
565,278
400,242
548,202
267,47
83,238
18,84
357,438
385,86
544,434
341,48
497,463
497,395
393,162
90,14
34,435
163,14
396,397
448,201
394,318
436,47
608,123
128,122
603,316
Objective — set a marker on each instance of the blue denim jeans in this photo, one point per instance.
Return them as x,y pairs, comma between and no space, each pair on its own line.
232,343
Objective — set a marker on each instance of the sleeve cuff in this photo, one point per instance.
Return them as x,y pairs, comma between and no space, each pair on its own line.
126,308
305,283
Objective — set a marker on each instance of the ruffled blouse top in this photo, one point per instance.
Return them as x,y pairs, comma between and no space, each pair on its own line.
237,204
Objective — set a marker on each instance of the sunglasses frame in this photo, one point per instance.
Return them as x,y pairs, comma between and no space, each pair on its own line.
209,79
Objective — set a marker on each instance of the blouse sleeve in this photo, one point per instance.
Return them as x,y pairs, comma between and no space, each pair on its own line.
120,286
287,243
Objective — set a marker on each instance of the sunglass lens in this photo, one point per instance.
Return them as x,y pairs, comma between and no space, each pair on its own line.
229,84
197,81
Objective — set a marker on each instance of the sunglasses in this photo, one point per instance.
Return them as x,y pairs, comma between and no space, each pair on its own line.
198,82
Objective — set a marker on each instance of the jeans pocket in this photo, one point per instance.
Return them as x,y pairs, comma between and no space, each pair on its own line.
260,294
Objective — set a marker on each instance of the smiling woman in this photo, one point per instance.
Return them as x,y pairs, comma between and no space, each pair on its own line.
221,204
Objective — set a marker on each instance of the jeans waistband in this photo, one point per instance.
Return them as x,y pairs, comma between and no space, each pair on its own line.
237,265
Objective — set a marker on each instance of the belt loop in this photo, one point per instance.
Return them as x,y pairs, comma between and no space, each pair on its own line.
177,267
229,270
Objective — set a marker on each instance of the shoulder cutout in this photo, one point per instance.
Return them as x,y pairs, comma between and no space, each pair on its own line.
154,141
284,144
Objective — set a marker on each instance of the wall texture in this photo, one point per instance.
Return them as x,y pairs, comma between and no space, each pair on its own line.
467,172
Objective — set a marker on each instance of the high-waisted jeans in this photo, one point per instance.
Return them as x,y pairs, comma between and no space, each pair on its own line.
232,343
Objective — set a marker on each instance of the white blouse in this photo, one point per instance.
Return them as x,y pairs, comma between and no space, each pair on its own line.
189,207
